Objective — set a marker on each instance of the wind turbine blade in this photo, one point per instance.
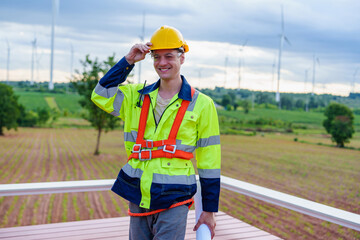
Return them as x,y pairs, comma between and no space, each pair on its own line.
282,18
245,43
287,40
318,61
56,6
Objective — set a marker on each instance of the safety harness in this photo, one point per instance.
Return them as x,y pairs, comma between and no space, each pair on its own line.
142,149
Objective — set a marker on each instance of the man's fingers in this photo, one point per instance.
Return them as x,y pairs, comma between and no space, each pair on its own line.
212,231
197,226
142,48
211,228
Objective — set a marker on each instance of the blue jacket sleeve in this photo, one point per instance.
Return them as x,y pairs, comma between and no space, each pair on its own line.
117,74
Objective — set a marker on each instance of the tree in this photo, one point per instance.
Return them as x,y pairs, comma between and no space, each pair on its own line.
339,123
54,115
300,104
262,97
286,102
225,101
27,118
245,104
235,105
313,104
9,108
43,115
84,85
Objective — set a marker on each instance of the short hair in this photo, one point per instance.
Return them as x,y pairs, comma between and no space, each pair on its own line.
180,50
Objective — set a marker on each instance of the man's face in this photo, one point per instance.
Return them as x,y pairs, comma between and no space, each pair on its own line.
167,63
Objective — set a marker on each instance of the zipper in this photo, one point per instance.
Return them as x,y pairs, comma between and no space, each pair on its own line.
156,124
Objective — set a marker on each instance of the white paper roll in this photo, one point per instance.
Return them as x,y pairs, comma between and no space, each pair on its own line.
203,232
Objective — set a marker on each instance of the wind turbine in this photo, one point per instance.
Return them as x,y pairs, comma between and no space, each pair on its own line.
199,74
273,74
38,65
8,61
306,96
142,36
282,39
353,83
71,59
226,63
33,57
240,65
55,8
315,60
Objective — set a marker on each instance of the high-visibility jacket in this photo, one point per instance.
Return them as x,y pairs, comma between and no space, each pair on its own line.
157,183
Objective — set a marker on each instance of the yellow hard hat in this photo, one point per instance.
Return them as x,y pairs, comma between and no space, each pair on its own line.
168,38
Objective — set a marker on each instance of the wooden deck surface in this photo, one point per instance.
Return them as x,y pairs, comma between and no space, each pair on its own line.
227,227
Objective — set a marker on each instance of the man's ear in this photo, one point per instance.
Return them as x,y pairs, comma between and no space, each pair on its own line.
182,58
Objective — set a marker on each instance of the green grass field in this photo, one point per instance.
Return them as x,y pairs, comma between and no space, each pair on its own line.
302,122
311,118
34,100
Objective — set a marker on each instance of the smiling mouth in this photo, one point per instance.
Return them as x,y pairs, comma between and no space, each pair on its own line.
163,69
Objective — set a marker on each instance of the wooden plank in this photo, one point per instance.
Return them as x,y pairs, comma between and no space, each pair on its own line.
68,224
118,228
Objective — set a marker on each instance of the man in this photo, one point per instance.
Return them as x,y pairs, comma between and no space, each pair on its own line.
163,124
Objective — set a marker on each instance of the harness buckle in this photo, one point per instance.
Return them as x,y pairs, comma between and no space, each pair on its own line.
151,143
169,151
145,159
136,148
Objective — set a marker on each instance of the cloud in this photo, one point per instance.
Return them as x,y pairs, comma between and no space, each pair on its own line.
215,30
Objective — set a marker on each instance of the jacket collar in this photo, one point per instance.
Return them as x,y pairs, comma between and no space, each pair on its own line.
184,93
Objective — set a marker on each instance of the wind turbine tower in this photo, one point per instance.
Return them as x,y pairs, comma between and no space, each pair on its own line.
33,57
8,61
353,83
273,75
306,95
226,63
55,7
71,60
282,39
142,36
240,63
315,59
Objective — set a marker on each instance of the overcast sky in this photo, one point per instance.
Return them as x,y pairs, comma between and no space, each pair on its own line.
220,34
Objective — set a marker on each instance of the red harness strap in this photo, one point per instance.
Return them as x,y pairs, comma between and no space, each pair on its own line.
142,148
145,214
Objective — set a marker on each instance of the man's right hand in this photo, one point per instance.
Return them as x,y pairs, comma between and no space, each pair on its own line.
138,52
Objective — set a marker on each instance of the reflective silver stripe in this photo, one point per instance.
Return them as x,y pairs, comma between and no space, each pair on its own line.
130,136
182,147
204,142
115,114
177,179
117,103
132,172
105,92
193,101
209,173
186,148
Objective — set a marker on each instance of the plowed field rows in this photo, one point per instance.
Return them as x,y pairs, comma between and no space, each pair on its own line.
319,173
